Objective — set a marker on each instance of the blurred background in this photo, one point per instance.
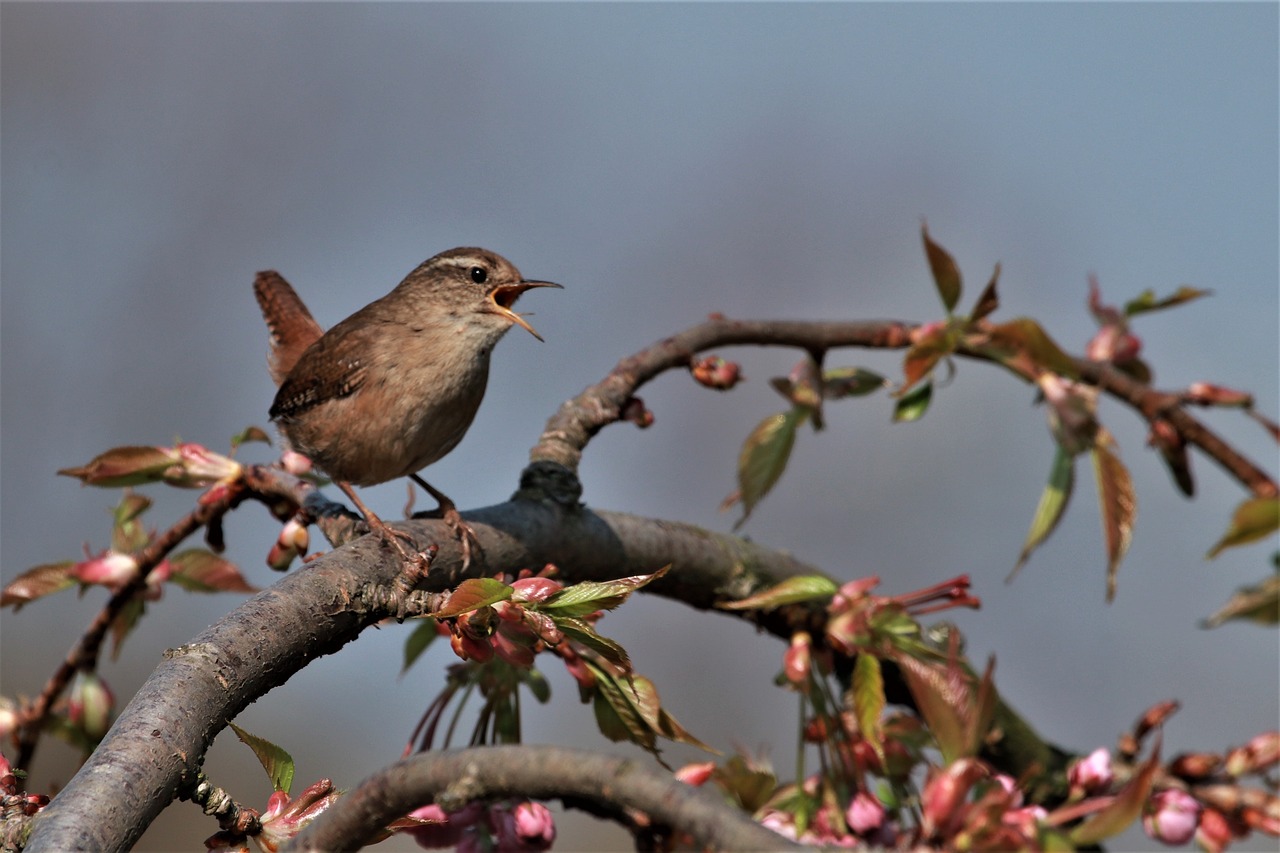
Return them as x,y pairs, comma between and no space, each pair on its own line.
662,162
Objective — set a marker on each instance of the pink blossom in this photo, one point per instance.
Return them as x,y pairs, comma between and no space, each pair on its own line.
535,589
865,814
1091,774
796,661
527,826
696,774
1171,816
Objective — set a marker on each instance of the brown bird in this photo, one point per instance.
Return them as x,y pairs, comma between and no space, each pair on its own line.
395,386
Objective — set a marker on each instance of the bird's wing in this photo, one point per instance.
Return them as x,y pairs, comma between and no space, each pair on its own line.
291,325
320,375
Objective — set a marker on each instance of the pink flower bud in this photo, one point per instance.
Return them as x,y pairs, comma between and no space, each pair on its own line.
90,704
865,814
438,828
780,822
1257,755
1204,394
8,723
796,662
714,372
295,463
1215,832
1092,774
110,568
635,412
945,793
696,774
1171,816
928,332
199,466
285,817
470,648
532,825
535,589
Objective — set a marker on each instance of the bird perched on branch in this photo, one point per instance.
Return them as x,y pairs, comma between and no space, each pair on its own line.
395,386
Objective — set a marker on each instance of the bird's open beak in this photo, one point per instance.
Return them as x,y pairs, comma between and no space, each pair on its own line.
505,296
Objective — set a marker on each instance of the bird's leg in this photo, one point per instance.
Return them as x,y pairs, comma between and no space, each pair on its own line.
449,512
377,525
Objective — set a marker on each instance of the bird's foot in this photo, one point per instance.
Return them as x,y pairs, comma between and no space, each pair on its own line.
390,536
465,535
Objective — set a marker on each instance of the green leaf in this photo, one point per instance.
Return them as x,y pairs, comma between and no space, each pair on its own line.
1123,810
199,570
537,684
1147,300
275,760
1053,503
1118,503
869,700
423,634
790,591
1259,604
248,434
125,466
36,583
764,457
1256,518
840,382
913,406
130,507
582,632
618,711
472,594
587,597
946,275
124,624
988,302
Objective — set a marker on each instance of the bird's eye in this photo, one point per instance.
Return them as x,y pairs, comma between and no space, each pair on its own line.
479,275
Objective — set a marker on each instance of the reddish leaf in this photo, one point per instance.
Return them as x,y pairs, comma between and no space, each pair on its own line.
1118,503
36,583
942,694
125,466
790,591
472,594
1254,519
988,302
199,570
946,275
924,355
1026,345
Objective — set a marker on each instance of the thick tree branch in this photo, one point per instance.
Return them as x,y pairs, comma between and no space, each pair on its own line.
604,784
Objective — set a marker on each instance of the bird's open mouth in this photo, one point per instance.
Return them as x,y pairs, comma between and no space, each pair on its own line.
505,296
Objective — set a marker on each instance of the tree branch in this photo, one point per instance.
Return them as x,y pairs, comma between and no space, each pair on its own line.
567,432
603,784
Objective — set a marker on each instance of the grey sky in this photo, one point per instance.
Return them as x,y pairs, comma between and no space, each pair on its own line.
662,162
